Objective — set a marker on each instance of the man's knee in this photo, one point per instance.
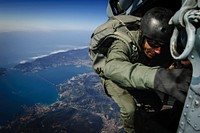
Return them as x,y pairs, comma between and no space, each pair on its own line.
128,112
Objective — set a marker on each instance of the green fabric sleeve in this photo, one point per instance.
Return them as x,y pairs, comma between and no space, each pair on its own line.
119,69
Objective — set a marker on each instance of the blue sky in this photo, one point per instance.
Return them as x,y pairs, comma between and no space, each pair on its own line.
48,15
36,27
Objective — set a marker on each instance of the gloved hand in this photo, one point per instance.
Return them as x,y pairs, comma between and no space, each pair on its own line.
174,82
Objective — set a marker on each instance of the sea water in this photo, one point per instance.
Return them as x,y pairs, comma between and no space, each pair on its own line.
18,88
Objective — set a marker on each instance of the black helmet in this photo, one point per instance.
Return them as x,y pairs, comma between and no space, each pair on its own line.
154,24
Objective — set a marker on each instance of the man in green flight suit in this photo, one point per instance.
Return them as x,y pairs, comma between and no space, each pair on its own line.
149,72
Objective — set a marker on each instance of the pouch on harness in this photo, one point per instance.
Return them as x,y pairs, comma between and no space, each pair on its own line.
117,27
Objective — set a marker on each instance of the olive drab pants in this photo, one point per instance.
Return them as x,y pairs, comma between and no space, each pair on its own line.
126,103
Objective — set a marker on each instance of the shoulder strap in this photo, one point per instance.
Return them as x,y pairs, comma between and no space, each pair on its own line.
117,27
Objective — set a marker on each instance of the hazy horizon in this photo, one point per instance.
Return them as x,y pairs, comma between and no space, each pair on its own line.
18,47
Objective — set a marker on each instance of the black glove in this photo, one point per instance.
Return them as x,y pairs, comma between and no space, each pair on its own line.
174,82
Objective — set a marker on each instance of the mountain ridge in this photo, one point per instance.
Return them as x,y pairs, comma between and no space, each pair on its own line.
78,57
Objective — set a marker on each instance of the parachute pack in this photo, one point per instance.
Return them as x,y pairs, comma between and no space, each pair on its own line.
117,27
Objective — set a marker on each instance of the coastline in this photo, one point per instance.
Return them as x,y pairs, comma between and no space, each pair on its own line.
18,88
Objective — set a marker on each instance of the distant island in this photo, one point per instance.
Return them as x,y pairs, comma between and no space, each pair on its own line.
82,105
78,57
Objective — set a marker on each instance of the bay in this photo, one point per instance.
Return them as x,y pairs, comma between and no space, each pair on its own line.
17,88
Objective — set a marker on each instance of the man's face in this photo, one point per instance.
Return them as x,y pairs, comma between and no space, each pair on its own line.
152,48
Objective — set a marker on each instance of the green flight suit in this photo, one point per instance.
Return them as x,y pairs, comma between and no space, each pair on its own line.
123,75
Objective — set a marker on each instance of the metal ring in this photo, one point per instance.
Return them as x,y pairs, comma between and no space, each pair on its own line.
190,29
